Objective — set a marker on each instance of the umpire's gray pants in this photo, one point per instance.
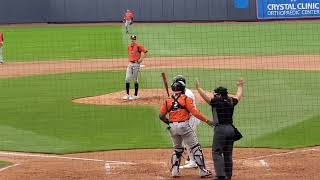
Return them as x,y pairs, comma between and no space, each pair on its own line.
132,72
222,147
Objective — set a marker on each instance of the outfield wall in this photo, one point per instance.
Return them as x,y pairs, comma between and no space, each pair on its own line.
16,11
20,11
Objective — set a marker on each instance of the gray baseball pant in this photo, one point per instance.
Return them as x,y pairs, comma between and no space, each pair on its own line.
222,148
132,72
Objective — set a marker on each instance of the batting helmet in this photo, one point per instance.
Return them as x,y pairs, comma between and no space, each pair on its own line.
133,37
178,86
179,78
221,91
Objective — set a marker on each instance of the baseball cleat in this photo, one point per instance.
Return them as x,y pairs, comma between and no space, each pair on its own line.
205,173
189,165
133,97
126,97
175,171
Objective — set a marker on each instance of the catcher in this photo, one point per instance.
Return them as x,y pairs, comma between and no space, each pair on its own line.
179,107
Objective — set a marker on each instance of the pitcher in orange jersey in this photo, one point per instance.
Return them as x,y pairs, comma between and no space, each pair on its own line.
135,59
128,21
179,106
1,45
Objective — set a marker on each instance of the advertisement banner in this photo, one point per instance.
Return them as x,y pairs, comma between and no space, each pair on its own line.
283,9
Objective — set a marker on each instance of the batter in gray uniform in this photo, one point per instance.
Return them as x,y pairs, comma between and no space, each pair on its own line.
224,132
135,59
179,107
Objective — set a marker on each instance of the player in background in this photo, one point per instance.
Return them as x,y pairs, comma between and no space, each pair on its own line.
193,122
1,48
128,21
135,59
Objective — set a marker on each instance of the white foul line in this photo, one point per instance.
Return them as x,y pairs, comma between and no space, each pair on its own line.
282,154
107,164
263,163
60,157
2,169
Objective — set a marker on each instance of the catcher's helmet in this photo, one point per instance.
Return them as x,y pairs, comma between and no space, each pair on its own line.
178,86
221,91
133,37
179,78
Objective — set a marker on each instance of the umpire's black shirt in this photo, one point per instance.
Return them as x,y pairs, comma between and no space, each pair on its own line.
222,109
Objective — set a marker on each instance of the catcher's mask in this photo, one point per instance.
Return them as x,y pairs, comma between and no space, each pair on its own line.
178,87
133,37
221,91
179,78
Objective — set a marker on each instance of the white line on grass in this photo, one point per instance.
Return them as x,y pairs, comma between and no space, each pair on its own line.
2,169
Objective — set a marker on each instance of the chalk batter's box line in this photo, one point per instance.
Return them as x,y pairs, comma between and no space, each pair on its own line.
62,157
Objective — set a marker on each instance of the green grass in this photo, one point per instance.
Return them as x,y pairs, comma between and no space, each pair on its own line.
41,43
37,113
305,133
4,164
217,39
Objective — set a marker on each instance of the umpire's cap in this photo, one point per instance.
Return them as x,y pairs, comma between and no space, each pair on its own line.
221,91
179,78
133,37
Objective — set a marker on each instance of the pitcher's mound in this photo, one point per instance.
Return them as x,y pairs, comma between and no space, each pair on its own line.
146,97
153,97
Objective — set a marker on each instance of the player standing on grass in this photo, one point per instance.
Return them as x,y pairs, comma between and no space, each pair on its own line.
128,21
135,59
1,47
179,107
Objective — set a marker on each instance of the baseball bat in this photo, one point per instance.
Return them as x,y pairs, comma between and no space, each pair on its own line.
165,82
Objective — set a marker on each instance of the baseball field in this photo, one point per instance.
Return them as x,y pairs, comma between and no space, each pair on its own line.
61,106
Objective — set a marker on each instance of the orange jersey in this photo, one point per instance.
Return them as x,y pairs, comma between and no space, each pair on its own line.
134,51
180,114
1,37
128,16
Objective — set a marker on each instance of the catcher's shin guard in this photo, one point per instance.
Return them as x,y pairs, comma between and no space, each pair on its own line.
198,156
176,157
175,162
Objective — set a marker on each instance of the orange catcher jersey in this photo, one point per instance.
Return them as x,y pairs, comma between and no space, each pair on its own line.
181,114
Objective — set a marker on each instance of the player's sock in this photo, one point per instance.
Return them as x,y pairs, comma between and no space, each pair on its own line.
127,87
136,88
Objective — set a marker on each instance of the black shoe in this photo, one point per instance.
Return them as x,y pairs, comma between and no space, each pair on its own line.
219,178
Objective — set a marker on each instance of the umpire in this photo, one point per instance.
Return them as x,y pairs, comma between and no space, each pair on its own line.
225,133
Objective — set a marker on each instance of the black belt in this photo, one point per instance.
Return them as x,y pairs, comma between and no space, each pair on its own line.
134,61
224,124
178,121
